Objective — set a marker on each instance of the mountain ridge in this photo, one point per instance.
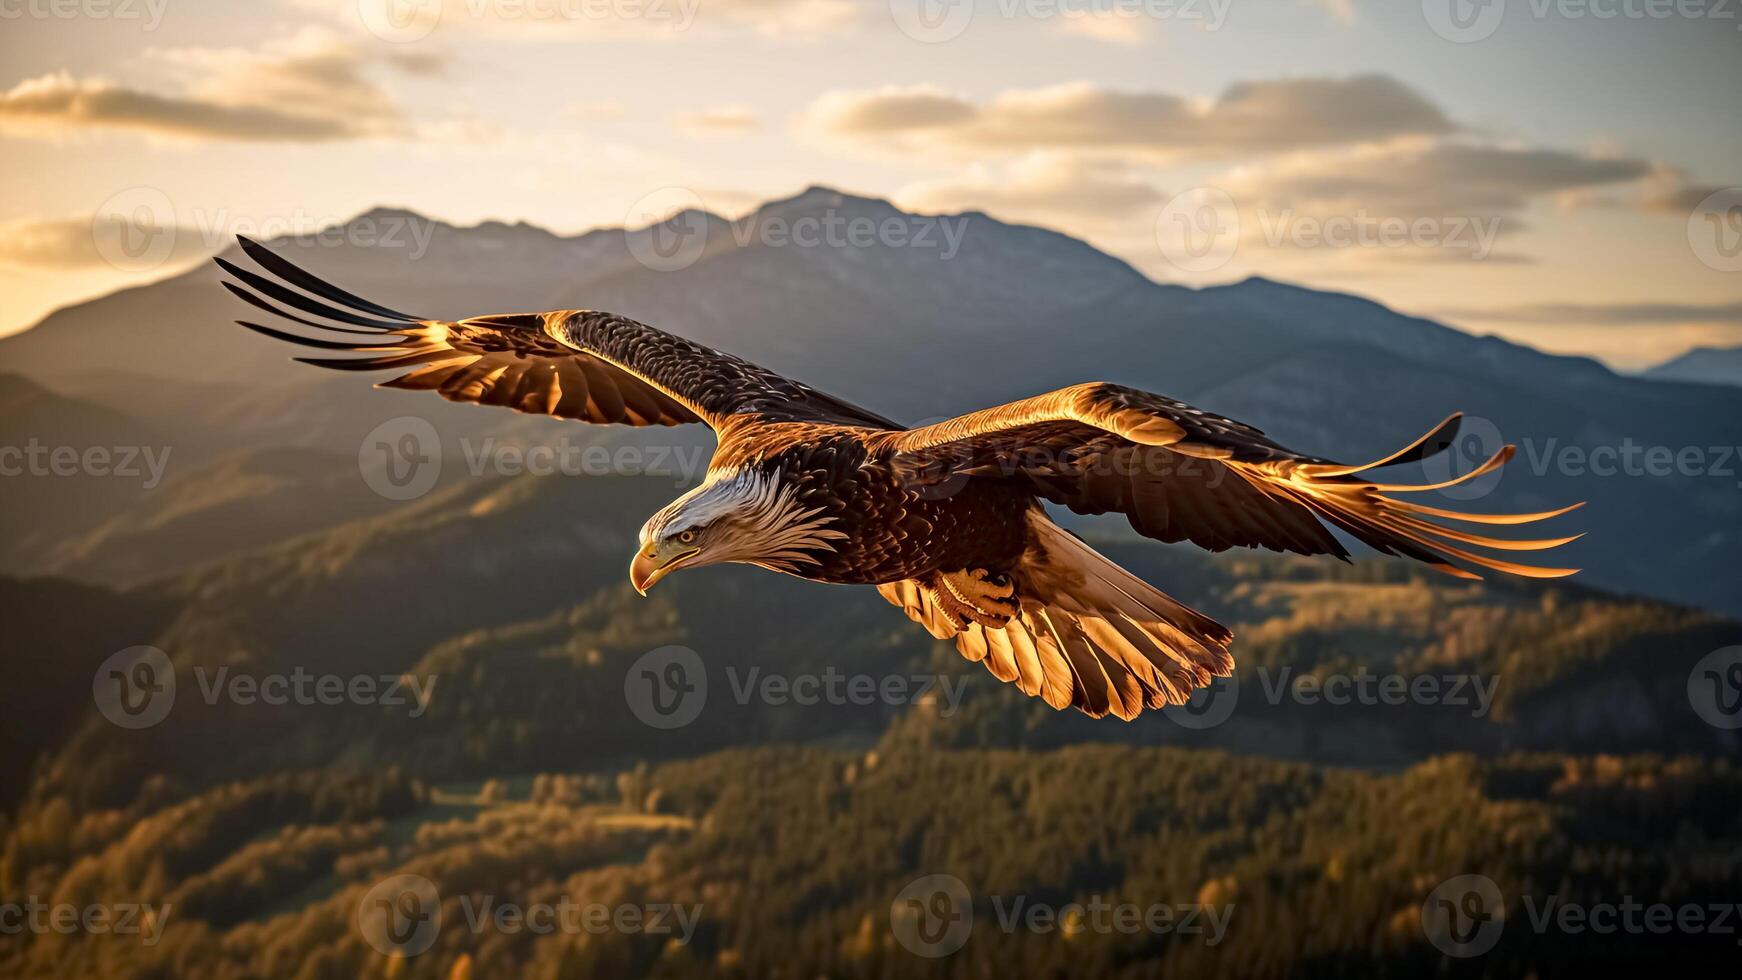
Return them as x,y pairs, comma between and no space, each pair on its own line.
919,336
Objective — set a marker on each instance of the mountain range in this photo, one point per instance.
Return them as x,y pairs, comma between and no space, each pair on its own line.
916,333
1709,365
1560,741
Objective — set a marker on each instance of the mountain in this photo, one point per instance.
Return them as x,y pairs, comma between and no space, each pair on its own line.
1706,365
921,332
231,505
508,595
526,773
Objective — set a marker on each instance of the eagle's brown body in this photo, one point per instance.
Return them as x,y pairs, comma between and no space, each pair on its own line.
894,529
945,520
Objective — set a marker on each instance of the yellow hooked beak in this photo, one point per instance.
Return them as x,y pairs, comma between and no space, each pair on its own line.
647,569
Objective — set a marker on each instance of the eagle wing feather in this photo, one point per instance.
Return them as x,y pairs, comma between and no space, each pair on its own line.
1179,473
585,365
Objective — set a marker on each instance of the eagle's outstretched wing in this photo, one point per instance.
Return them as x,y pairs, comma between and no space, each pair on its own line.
1179,473
572,364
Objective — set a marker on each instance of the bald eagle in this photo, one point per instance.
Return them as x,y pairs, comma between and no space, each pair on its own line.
945,520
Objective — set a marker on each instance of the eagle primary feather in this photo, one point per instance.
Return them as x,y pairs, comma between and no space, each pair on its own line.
945,520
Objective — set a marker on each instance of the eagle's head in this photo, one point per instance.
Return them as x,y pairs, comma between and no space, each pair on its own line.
745,515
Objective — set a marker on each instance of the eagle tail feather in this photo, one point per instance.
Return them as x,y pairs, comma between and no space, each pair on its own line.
1123,644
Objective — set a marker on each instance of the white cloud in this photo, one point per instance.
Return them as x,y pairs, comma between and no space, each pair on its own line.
1248,118
1108,27
717,121
312,86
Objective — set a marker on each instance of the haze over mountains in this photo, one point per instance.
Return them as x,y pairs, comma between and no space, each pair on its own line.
916,332
1711,365
518,765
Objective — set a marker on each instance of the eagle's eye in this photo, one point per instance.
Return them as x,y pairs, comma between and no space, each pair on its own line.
687,537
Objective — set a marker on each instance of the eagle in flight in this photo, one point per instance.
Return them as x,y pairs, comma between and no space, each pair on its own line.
945,520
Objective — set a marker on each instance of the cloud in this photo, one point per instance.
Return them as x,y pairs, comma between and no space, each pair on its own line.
546,20
1603,314
1669,190
717,121
310,87
1248,118
1427,177
1108,26
84,243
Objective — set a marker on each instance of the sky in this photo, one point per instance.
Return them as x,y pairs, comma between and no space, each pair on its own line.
1564,173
